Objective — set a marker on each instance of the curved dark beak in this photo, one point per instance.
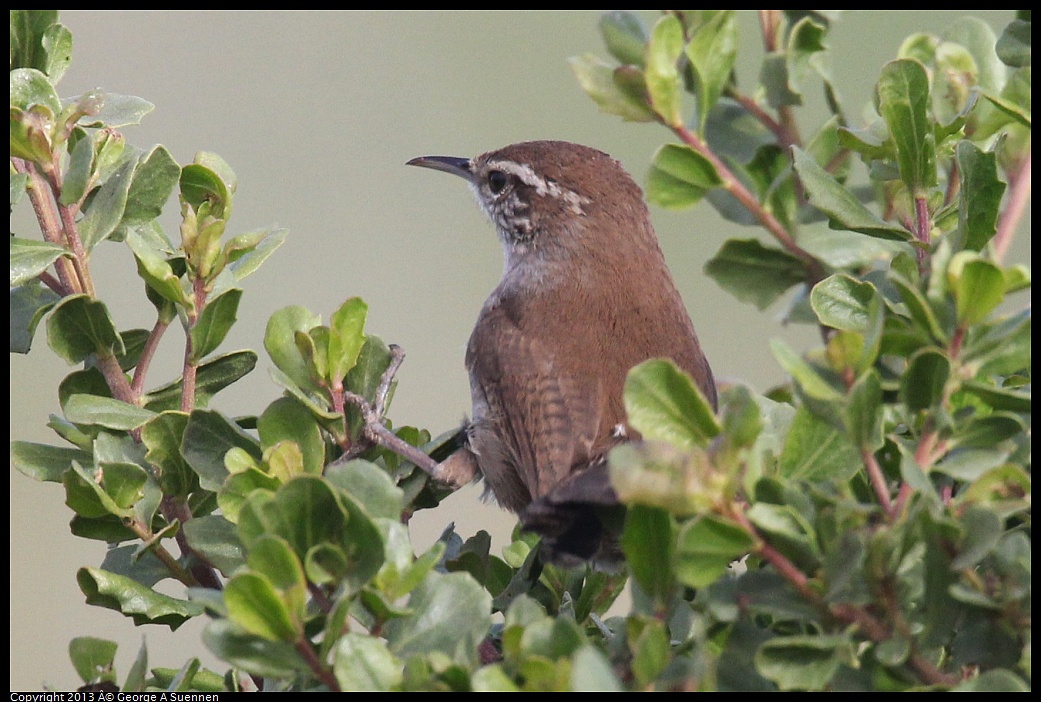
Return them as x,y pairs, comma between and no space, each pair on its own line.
448,164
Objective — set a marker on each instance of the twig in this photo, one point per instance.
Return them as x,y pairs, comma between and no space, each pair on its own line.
870,625
147,353
375,431
50,223
878,481
735,187
321,671
1019,195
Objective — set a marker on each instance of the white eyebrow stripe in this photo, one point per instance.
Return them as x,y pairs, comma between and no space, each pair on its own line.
542,187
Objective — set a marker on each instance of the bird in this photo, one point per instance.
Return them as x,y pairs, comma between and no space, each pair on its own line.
585,295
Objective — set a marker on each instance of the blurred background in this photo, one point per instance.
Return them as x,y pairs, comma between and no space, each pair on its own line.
317,113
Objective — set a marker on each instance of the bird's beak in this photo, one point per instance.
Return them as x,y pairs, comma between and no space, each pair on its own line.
449,164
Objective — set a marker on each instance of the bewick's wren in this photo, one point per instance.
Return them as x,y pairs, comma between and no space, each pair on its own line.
585,296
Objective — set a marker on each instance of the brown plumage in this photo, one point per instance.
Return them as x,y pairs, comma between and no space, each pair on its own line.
585,295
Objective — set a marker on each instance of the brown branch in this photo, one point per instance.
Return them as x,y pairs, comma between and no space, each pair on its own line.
735,187
321,671
878,481
375,431
175,509
147,354
191,367
1019,196
40,195
165,557
871,626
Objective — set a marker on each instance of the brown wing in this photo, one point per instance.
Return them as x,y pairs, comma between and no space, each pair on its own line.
532,421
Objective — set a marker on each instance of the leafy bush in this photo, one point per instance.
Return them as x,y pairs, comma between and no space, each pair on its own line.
865,527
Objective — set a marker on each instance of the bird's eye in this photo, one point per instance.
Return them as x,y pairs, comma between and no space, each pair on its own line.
497,181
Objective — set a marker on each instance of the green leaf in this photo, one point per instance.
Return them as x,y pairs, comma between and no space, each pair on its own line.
207,437
712,52
38,41
211,377
370,485
815,450
649,543
79,172
116,110
591,671
162,436
45,463
663,403
156,271
29,258
803,662
755,273
679,177
977,36
705,548
843,302
139,602
106,209
280,343
346,337
658,474
999,398
200,185
272,557
1013,47
980,195
245,259
285,419
364,664
863,412
920,308
981,432
806,51
624,36
978,286
997,680
788,530
307,512
28,304
449,614
214,323
922,384
216,539
240,485
93,658
903,102
843,209
601,82
254,605
649,643
809,378
661,71
31,87
154,179
80,326
252,653
105,412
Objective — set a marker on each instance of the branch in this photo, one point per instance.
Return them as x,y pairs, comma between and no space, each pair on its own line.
1019,196
878,481
871,626
376,432
322,672
736,188
50,223
147,353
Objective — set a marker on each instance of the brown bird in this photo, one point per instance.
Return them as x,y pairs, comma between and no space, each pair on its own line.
585,296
